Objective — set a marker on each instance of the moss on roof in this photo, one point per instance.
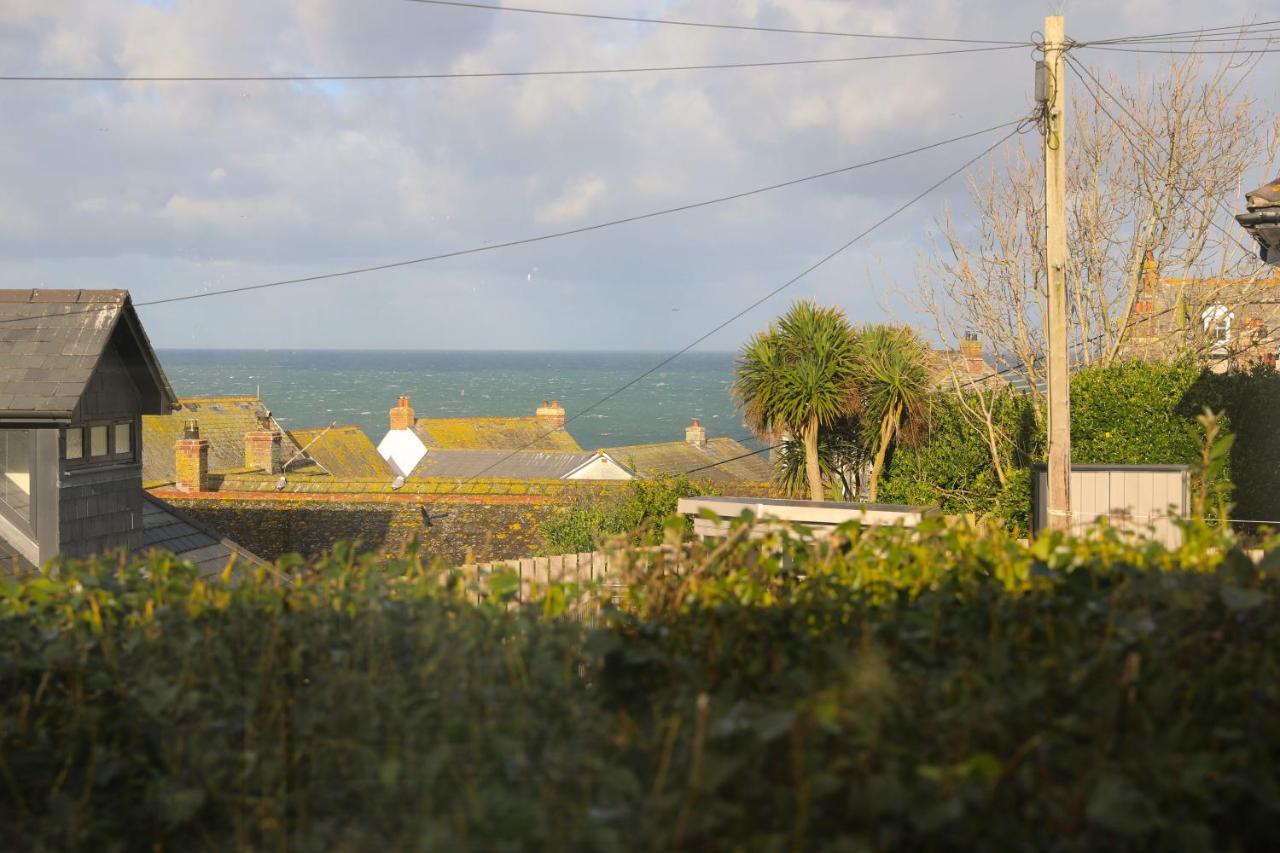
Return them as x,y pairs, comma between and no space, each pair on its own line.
680,457
344,451
223,421
528,433
314,484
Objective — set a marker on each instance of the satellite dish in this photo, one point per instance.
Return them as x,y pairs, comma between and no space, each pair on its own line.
397,482
281,483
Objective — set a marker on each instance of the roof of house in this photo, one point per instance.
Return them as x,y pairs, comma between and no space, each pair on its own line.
51,342
501,464
681,457
166,529
525,433
343,451
223,422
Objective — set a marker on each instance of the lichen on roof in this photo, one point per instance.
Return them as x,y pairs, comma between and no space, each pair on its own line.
525,433
344,451
681,457
223,422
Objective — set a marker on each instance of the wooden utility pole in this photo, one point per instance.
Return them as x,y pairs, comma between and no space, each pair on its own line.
1055,214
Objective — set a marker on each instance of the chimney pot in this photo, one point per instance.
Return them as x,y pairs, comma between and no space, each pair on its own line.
552,414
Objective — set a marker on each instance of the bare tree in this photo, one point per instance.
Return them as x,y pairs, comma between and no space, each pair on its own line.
1151,167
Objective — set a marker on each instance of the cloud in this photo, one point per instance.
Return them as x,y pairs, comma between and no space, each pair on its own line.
170,188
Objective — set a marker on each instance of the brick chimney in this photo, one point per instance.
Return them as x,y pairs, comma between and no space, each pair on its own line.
971,353
191,460
262,450
402,415
552,413
695,433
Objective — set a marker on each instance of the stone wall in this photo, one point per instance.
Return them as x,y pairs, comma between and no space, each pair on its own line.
457,530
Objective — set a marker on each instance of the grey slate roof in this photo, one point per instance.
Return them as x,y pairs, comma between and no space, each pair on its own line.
502,464
164,529
50,343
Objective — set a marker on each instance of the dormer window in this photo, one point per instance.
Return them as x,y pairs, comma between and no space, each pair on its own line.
108,443
15,473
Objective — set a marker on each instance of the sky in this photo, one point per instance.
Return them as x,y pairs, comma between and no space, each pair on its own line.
169,189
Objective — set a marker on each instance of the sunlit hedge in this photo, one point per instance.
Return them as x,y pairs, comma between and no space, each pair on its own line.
946,689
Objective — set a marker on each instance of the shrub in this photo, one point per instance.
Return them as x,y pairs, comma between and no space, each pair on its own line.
586,524
937,689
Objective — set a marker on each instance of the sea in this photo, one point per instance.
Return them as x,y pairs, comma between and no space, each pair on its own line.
607,396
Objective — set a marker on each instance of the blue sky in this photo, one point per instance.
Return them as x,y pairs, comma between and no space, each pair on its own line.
168,189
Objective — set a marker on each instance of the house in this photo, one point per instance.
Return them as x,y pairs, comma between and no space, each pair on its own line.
409,436
77,375
721,460
1230,322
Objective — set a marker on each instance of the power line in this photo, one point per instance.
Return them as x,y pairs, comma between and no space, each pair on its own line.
1168,51
1203,30
731,459
788,283
572,231
490,7
474,75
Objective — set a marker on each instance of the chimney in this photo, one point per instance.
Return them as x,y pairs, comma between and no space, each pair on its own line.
1149,271
191,460
402,415
695,433
262,450
971,353
552,413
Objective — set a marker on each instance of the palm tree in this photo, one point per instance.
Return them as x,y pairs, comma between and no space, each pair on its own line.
797,378
893,379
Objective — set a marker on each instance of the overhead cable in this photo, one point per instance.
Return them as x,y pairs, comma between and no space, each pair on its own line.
471,75
631,19
757,303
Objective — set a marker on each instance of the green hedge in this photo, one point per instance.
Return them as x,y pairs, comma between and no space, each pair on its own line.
592,520
946,689
1131,412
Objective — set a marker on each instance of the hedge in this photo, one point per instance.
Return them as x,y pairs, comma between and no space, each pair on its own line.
944,689
1131,412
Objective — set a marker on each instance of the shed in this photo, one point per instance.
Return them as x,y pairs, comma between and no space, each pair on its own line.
1141,498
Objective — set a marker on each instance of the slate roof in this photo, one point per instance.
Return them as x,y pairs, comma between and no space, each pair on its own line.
527,433
500,464
165,529
11,562
681,457
50,344
223,421
343,451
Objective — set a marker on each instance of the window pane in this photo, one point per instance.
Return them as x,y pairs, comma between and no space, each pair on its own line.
98,440
15,471
124,439
75,443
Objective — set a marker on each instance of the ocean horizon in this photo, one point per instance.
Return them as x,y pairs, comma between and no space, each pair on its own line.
309,388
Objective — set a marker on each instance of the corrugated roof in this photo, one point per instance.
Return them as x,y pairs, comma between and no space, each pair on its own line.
681,457
528,433
223,421
51,342
343,451
502,464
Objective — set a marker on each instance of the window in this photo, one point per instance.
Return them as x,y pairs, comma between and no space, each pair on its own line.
75,443
15,472
123,440
1217,323
98,440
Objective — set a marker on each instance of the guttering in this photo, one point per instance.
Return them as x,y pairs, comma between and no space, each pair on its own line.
20,418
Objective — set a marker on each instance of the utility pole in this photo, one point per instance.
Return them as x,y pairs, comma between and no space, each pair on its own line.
1055,214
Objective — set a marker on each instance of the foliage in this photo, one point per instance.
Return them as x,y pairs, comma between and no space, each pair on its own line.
593,519
893,381
797,378
936,689
841,457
